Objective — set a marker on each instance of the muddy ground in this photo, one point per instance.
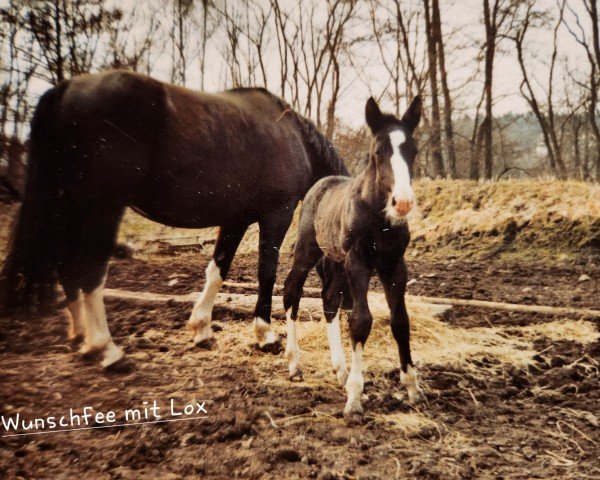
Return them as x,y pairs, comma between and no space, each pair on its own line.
486,419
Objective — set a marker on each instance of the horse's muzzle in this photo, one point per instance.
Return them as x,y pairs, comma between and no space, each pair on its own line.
402,206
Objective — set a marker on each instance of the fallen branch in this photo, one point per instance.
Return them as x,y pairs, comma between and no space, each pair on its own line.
245,303
242,303
511,307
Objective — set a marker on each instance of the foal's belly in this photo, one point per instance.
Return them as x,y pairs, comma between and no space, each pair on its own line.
329,226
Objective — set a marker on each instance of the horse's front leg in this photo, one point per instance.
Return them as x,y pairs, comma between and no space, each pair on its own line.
358,273
394,276
227,243
273,228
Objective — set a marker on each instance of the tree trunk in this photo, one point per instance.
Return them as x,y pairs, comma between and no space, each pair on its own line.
59,68
434,132
448,128
490,50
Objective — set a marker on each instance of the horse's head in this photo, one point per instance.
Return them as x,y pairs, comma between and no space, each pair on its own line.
393,151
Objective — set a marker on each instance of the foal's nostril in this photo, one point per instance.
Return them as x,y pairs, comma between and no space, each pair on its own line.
393,202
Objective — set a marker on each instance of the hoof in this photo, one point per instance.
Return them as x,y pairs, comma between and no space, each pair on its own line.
112,355
206,344
353,409
90,354
297,376
274,348
123,365
354,419
417,398
203,335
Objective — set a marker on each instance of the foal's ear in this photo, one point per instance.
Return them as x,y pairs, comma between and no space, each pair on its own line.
373,115
412,116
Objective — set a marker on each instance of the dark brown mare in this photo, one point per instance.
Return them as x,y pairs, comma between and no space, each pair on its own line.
100,143
353,227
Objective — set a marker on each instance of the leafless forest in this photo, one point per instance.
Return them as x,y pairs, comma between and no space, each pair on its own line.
325,57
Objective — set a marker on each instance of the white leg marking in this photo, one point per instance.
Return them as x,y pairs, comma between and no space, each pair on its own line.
411,382
200,318
98,335
338,359
292,350
77,318
355,382
264,332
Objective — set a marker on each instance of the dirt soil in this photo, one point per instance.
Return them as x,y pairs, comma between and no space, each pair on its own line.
483,420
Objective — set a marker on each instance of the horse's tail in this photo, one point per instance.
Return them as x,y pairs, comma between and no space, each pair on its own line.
28,276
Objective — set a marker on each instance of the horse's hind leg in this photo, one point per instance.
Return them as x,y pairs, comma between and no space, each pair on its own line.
334,282
306,255
68,275
227,243
100,230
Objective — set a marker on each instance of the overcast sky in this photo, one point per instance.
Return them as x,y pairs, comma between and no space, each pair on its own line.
462,26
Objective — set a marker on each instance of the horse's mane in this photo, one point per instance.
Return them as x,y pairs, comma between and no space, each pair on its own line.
323,155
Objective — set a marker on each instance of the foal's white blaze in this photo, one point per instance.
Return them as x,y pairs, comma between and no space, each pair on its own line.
401,190
411,382
98,336
355,382
200,318
264,332
338,360
77,318
292,350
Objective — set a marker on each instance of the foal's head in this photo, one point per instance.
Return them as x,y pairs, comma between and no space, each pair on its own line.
392,153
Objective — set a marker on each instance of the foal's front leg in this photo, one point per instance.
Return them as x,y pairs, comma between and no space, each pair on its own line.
394,280
361,320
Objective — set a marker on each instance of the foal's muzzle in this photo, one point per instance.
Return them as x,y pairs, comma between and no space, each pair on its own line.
402,206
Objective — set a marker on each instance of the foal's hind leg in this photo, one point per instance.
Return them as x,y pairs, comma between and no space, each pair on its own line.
227,243
394,278
306,254
273,228
334,282
361,320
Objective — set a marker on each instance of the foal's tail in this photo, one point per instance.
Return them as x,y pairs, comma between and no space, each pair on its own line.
28,275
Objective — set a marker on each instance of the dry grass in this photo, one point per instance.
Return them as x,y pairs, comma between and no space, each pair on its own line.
554,220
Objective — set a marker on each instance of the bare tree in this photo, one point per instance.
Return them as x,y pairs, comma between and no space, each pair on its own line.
591,47
432,55
547,118
495,16
436,24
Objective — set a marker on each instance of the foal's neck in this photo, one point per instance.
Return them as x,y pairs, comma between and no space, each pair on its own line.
366,189
366,194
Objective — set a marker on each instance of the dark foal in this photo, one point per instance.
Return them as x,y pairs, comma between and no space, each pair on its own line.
357,226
